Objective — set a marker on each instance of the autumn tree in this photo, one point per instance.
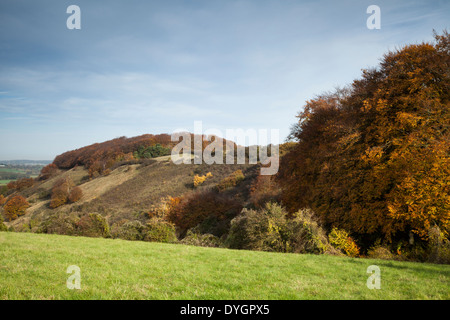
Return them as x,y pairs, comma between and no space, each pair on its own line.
75,194
15,207
2,200
374,158
48,171
61,192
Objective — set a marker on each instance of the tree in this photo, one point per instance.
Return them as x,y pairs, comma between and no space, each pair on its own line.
374,158
61,192
48,171
15,207
75,194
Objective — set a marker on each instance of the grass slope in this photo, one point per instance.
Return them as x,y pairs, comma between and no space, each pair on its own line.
33,266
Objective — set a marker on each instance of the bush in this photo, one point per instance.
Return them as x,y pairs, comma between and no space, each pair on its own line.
159,230
60,192
15,207
231,181
2,200
190,210
306,235
264,189
48,171
93,225
75,194
198,180
20,184
380,252
64,191
128,230
194,238
438,246
59,196
269,229
341,240
3,227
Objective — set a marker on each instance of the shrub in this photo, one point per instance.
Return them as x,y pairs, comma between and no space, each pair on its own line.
380,252
75,194
128,230
3,227
264,189
231,181
59,223
48,171
258,229
15,207
190,210
93,225
194,238
161,209
198,180
20,184
159,230
438,246
2,200
270,229
63,191
59,196
341,240
306,235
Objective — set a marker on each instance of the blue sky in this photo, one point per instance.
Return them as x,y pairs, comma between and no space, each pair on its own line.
140,67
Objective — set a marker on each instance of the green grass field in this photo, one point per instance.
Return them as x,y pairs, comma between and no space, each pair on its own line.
33,266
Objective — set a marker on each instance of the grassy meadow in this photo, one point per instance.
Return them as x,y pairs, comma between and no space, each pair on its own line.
33,266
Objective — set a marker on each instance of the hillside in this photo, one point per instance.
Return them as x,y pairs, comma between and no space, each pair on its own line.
34,267
127,192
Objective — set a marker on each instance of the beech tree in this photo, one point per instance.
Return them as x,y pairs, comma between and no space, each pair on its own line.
374,158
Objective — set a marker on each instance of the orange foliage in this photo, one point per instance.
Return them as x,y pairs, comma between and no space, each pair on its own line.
231,181
264,189
15,207
48,171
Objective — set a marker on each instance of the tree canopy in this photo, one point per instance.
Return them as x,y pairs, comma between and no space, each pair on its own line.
374,158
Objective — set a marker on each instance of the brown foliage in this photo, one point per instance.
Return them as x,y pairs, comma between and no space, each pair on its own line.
15,207
48,171
190,210
60,192
375,158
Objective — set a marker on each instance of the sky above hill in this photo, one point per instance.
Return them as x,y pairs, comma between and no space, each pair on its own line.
140,67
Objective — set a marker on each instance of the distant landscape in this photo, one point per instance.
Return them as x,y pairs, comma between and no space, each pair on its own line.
11,170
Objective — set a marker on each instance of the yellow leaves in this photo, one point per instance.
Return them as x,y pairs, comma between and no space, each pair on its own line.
373,155
408,120
198,180
340,239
